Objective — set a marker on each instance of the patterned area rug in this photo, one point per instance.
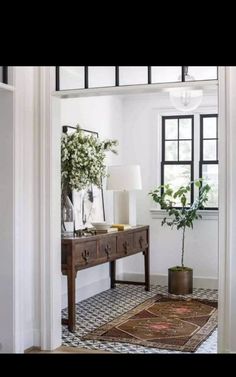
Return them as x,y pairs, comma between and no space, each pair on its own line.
105,306
172,323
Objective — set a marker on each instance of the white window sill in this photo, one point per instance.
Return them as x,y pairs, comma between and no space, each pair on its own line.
206,214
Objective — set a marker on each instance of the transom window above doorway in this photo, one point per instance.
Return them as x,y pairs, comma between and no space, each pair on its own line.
88,77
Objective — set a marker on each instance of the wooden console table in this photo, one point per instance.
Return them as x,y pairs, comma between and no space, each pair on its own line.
79,253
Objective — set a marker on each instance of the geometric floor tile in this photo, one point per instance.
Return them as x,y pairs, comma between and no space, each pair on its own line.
106,306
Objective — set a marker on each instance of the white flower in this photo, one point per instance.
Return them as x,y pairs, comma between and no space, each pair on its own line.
82,160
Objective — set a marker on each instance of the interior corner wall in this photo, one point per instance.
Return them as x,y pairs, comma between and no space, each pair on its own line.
102,114
6,221
141,146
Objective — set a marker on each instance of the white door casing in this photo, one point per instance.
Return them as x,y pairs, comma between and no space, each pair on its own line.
227,87
227,210
50,204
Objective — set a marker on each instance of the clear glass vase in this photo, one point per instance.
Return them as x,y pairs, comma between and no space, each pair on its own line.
67,217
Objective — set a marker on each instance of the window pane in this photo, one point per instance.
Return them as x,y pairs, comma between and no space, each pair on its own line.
171,129
202,73
165,74
185,150
210,175
209,150
209,127
171,153
71,78
185,128
133,75
101,76
177,175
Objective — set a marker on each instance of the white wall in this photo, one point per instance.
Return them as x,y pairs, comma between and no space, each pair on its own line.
141,143
6,222
26,212
18,241
105,116
26,201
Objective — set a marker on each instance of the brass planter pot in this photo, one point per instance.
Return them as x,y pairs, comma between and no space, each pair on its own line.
180,282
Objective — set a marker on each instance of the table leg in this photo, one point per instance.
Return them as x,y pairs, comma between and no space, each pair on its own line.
147,270
113,273
71,276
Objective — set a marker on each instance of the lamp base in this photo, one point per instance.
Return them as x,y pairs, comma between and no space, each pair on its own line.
132,208
125,208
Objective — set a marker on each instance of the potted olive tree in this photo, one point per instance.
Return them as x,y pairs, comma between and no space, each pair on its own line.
181,215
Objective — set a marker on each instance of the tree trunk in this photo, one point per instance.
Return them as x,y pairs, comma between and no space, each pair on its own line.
182,255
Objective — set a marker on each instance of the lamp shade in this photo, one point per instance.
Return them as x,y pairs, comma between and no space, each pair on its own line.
124,178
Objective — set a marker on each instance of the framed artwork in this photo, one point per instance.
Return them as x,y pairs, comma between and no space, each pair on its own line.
88,203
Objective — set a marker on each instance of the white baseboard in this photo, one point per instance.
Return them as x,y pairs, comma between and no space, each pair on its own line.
198,281
99,286
87,291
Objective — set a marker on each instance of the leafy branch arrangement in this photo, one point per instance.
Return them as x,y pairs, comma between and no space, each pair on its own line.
83,160
182,217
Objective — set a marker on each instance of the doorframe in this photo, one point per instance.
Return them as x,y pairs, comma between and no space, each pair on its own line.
50,273
222,224
50,212
227,113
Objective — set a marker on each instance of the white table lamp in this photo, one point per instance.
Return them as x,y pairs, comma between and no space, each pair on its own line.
126,178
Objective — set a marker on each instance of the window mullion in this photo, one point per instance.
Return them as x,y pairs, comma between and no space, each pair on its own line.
178,142
202,161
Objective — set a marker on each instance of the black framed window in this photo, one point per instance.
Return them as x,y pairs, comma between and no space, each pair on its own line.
201,73
101,76
4,74
163,74
68,78
133,75
208,166
178,151
88,77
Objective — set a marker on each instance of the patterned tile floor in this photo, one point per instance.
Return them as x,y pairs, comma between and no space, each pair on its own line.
103,307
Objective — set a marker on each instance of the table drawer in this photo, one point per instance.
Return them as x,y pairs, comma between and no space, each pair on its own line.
107,247
125,243
140,240
85,252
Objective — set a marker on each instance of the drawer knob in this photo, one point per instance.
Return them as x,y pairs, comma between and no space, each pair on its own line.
141,241
108,251
85,255
126,245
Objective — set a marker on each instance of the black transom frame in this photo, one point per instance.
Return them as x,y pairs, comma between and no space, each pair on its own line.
117,77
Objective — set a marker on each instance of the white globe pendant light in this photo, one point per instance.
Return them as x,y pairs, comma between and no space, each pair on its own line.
186,99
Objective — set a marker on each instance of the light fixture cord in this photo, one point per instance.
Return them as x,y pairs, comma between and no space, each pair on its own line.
185,70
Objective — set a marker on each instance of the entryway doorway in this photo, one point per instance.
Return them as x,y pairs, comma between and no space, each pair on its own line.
222,201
